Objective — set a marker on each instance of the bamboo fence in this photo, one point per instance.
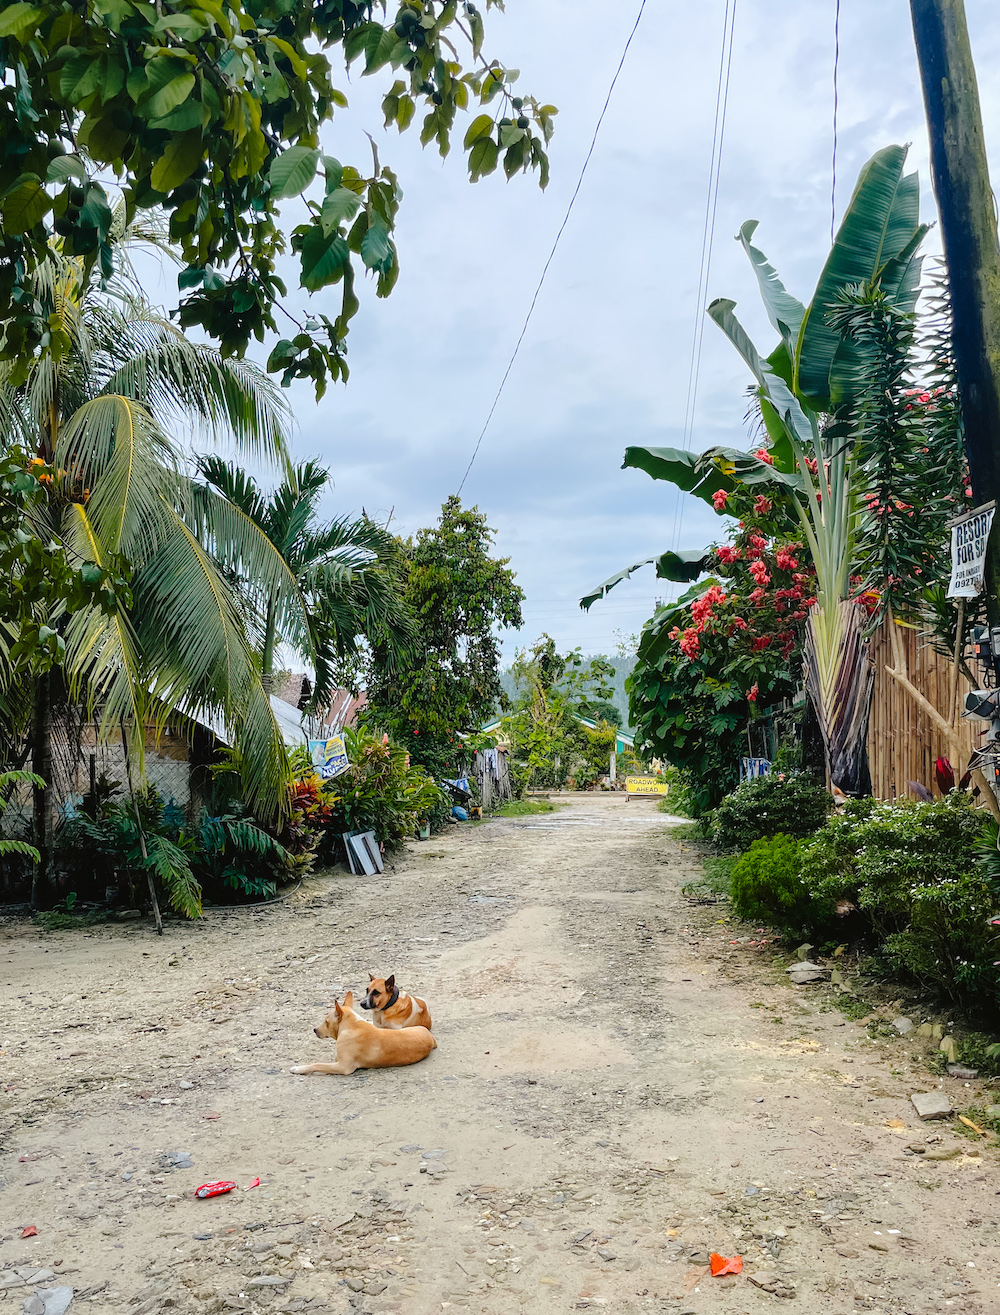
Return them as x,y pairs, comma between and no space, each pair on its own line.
903,742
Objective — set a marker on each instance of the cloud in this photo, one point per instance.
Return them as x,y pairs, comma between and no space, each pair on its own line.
606,358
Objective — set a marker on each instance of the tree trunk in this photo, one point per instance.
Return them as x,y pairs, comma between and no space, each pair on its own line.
267,660
969,234
42,884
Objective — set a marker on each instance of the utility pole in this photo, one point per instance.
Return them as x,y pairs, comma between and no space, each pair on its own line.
972,251
969,233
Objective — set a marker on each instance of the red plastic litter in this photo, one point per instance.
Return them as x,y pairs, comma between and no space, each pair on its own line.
725,1265
30,1231
214,1189
255,1183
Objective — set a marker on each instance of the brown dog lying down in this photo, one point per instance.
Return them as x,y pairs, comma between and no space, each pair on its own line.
361,1045
392,1007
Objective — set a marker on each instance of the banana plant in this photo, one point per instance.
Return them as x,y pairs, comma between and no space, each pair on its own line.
806,389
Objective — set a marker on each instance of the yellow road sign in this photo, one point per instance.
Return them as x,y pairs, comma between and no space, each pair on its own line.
645,785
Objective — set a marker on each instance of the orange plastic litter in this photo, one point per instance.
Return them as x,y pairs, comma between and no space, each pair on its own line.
725,1265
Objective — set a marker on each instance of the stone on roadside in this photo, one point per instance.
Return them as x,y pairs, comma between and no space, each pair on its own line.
960,1071
925,1029
903,1025
931,1104
802,953
765,1279
269,1281
607,1254
805,973
949,1048
993,1111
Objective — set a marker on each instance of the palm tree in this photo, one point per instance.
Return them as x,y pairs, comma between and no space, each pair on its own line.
100,403
346,571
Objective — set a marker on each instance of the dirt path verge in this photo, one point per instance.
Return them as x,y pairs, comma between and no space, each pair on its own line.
624,1083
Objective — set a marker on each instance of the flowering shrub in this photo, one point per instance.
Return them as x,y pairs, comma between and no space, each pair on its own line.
796,805
911,876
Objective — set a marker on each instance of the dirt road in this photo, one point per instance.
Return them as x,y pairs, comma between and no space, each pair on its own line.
623,1084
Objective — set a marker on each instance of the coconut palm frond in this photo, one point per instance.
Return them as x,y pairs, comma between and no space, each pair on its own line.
245,553
116,450
182,380
192,638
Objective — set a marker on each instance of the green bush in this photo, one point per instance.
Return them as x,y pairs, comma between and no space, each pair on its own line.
382,791
916,875
792,805
767,886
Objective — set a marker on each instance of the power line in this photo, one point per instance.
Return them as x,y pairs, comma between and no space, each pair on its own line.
836,106
555,244
707,245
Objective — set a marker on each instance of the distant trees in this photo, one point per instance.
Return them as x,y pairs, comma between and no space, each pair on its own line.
459,595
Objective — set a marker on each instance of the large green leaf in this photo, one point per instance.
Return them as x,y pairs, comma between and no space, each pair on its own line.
293,170
323,258
783,310
785,405
678,566
718,468
880,222
25,205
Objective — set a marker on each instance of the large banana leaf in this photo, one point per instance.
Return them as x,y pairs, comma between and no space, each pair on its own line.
717,468
679,566
878,225
783,310
771,384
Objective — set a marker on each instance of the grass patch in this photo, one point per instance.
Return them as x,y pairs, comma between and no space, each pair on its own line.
53,920
851,1006
686,831
714,880
524,808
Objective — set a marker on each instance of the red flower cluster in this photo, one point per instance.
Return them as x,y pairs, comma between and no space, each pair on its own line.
762,454
719,499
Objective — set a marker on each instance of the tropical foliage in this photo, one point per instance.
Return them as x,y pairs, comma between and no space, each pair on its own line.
549,745
794,804
99,404
460,595
221,857
385,791
346,572
214,113
727,649
832,401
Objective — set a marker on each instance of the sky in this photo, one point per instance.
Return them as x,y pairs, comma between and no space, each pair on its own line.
605,362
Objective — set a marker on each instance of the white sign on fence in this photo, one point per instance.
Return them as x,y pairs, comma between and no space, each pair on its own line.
969,536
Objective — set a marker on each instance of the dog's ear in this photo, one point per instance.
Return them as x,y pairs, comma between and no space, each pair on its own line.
371,978
349,1000
390,983
337,1008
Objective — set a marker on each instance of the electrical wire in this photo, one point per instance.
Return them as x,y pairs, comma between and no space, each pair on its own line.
555,244
707,246
836,107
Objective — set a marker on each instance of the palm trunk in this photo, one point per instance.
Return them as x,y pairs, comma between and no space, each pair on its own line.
42,803
840,681
267,660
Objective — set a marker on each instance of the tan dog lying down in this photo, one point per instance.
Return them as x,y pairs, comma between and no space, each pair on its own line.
362,1045
392,1007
